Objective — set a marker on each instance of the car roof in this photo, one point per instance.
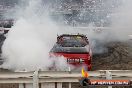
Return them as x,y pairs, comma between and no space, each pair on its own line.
81,35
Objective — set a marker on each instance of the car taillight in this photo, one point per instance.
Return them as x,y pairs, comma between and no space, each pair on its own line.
88,57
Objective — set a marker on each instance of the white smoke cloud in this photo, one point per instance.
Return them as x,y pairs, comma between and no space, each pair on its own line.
121,21
33,35
30,39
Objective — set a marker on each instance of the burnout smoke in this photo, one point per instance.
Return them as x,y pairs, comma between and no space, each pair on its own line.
121,21
29,41
34,33
115,15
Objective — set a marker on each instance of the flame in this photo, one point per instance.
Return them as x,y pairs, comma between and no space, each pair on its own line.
84,73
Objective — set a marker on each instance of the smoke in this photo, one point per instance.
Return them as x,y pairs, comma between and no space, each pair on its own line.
115,15
121,21
30,39
34,33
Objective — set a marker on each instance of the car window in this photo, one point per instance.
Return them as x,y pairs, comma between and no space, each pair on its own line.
73,42
69,50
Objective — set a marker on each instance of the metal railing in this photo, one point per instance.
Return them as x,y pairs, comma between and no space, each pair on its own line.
52,78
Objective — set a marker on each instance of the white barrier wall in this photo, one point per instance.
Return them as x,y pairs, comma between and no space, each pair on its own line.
54,79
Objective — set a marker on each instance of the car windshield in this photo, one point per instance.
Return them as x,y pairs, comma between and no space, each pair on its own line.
59,49
73,42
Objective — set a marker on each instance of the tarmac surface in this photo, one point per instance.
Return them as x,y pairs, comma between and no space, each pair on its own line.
118,57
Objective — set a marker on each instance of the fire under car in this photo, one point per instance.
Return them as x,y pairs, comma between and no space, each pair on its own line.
75,49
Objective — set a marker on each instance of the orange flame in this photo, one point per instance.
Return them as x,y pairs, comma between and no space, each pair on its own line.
84,73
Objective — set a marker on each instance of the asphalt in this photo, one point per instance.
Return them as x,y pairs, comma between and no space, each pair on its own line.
118,57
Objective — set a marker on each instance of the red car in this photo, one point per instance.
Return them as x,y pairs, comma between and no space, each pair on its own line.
75,48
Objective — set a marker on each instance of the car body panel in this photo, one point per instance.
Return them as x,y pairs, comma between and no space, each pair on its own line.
76,51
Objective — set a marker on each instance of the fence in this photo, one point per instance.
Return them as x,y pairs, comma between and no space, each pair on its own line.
54,79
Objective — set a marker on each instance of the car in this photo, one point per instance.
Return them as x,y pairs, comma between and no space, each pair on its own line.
75,48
